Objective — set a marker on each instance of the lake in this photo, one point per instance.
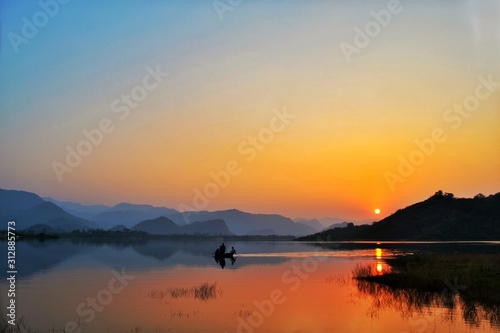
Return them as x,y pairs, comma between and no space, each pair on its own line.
176,286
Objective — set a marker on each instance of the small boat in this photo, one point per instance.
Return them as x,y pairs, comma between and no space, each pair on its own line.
218,255
225,255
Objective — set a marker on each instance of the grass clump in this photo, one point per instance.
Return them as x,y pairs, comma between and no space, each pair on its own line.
204,292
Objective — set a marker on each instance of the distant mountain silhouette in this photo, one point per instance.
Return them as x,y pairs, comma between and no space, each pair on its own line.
28,210
441,217
43,228
265,231
12,200
52,215
159,226
131,214
210,227
313,223
71,216
78,210
337,225
242,223
327,222
118,227
165,226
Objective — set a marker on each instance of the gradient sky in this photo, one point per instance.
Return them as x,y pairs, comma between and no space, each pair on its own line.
226,79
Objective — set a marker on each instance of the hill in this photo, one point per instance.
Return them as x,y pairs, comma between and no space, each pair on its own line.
159,226
78,210
43,228
440,217
74,216
30,210
210,227
12,200
51,215
164,226
243,223
131,214
118,227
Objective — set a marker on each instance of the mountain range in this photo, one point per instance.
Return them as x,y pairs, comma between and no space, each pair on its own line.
164,226
440,217
33,213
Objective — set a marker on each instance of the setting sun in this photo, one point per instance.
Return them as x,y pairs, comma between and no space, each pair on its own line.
377,211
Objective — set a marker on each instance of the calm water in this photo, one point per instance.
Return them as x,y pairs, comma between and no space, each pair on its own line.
173,286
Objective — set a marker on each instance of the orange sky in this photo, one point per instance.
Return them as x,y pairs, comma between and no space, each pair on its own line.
337,154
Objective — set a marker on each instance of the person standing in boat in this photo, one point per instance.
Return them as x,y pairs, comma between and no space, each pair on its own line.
222,249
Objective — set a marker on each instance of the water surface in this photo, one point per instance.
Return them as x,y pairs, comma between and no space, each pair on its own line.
176,286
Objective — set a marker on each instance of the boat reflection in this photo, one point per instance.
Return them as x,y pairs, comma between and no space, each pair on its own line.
222,261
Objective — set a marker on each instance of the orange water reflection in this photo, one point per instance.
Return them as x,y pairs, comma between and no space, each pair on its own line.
299,295
378,253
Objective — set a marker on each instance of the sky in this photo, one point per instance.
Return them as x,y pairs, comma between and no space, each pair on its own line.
302,108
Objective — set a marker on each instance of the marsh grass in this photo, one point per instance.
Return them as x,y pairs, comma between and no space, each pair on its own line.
473,276
203,292
363,271
206,291
473,280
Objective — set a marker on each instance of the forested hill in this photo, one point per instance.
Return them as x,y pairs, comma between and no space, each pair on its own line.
441,217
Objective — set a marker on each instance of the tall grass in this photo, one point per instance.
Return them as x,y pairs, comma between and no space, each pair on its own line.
203,292
474,278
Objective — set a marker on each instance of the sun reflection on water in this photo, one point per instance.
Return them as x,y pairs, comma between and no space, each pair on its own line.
378,253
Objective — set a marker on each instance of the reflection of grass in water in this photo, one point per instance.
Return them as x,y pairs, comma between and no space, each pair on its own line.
443,280
473,276
179,314
203,292
340,279
364,272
